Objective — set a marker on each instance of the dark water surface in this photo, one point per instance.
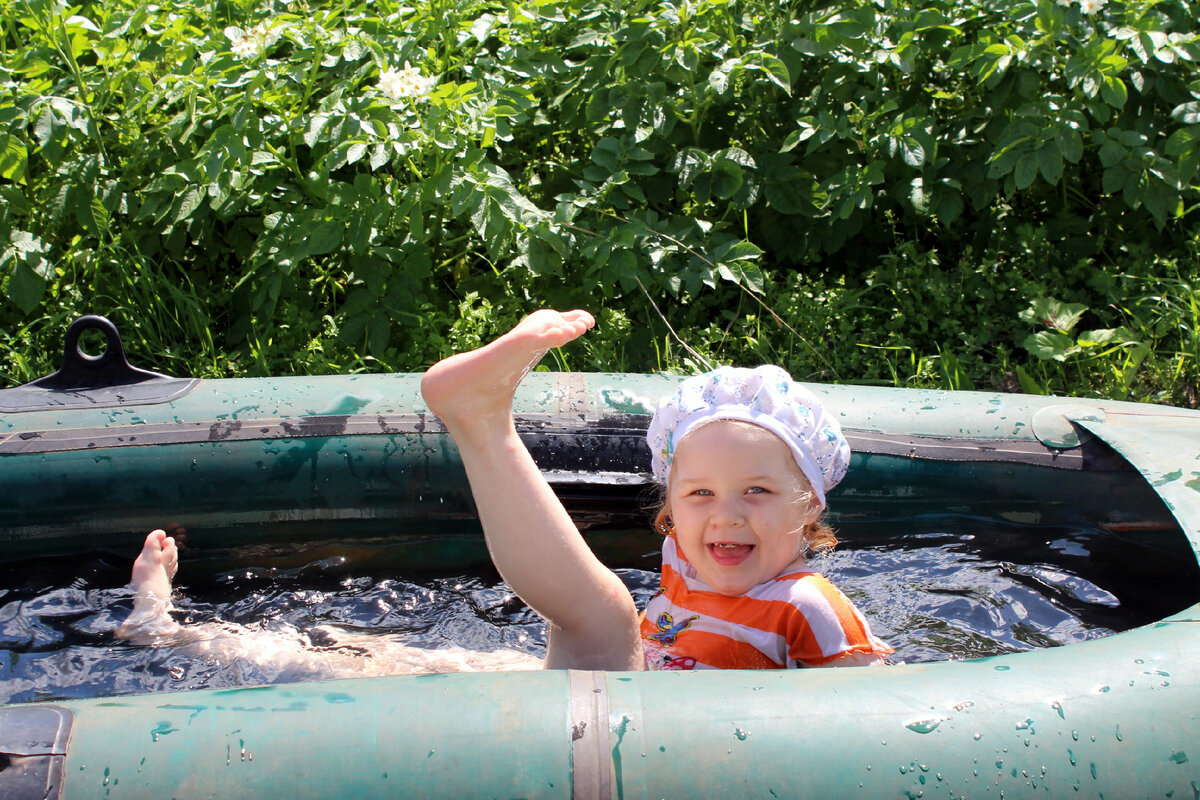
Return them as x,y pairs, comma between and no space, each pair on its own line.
948,588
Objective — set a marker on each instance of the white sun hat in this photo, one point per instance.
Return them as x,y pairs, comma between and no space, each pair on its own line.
765,396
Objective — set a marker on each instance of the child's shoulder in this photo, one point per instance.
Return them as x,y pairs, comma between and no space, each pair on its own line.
803,587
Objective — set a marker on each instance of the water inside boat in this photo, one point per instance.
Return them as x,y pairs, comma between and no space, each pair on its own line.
935,587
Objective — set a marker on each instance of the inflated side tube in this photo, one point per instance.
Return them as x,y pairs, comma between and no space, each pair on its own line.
1108,718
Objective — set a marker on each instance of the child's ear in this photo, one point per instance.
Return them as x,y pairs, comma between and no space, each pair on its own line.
812,515
662,521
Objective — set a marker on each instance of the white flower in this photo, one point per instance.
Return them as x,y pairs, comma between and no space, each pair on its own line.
1091,6
407,82
244,47
1064,3
248,44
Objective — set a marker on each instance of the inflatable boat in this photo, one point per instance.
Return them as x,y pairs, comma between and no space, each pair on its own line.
100,452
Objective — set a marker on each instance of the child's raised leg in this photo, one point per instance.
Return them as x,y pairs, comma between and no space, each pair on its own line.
153,570
534,544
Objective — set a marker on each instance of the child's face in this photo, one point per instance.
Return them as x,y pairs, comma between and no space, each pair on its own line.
740,505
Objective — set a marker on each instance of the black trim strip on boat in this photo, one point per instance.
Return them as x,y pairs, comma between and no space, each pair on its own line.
622,433
33,748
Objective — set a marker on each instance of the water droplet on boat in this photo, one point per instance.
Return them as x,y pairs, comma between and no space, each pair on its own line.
924,726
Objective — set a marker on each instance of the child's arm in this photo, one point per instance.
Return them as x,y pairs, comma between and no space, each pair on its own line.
536,547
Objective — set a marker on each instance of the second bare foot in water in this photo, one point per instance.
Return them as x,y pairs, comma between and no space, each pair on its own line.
477,387
153,570
156,565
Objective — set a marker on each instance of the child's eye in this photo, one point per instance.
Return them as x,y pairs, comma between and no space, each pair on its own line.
703,492
756,490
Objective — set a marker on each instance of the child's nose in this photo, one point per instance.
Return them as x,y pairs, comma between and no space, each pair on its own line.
728,515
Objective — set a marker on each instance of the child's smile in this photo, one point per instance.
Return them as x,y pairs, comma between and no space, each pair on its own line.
740,505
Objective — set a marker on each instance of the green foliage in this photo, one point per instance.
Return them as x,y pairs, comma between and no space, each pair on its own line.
860,191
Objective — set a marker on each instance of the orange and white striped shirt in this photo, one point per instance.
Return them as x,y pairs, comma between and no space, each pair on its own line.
797,619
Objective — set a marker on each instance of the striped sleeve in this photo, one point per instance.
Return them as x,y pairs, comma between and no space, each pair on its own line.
822,624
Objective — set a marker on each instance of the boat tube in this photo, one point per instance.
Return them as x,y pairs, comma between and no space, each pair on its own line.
99,453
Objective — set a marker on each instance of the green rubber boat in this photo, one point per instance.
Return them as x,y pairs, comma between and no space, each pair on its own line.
99,453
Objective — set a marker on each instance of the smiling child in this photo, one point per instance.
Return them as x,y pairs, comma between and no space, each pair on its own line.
746,458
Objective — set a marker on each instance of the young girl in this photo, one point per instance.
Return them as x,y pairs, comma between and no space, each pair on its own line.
745,457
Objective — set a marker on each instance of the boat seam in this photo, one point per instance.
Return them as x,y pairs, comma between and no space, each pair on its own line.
591,756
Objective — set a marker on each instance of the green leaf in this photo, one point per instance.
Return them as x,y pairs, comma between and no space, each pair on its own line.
1052,313
1050,163
912,152
607,153
315,130
917,195
1051,345
773,66
1113,180
1106,336
1111,153
948,206
1113,91
14,158
190,201
25,287
1026,171
1187,113
1161,201
325,237
719,78
542,259
721,182
1070,144
91,214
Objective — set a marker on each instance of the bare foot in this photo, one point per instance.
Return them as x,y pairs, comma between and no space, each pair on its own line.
153,570
469,391
156,565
